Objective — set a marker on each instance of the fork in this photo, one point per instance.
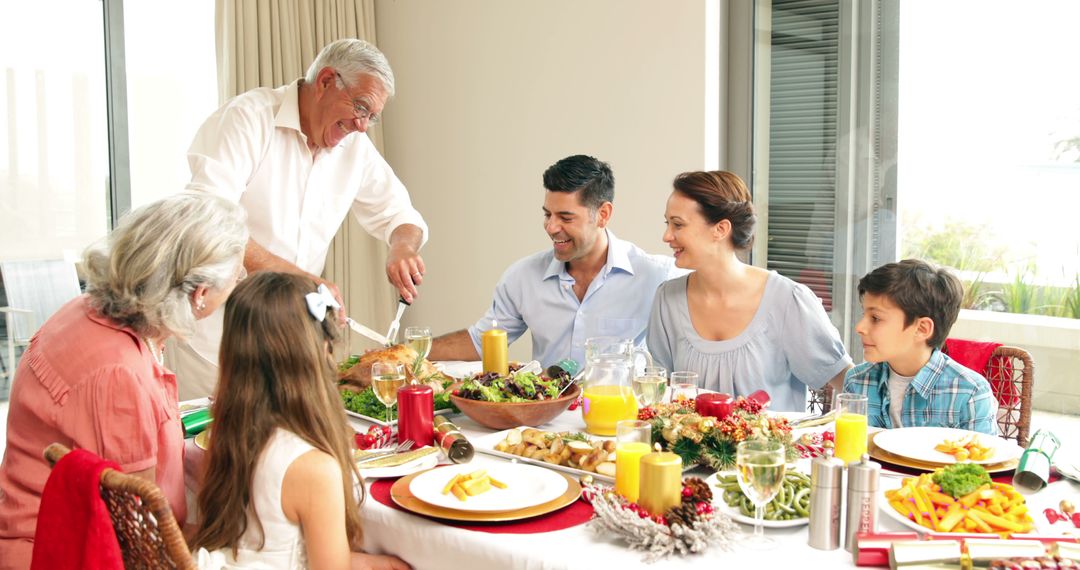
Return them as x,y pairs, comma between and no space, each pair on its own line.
400,448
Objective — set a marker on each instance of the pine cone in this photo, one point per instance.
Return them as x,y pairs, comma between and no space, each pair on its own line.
684,514
699,490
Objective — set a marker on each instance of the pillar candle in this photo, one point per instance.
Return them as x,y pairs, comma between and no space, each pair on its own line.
416,411
493,347
714,404
661,482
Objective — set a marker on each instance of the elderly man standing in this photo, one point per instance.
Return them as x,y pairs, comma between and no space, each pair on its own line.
296,158
590,283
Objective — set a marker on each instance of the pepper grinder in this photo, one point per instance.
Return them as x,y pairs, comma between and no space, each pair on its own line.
862,497
826,482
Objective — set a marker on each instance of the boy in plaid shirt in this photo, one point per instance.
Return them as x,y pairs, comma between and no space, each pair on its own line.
908,309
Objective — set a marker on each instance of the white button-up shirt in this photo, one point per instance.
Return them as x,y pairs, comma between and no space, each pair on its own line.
253,152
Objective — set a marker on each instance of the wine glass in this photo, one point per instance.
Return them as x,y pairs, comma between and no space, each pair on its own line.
418,339
683,386
650,385
761,465
386,379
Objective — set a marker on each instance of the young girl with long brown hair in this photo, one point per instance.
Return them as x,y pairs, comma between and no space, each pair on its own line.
281,489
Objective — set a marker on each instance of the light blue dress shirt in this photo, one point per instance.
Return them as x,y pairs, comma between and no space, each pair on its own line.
536,293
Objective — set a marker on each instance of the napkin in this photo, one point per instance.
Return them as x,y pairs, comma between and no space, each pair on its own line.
392,460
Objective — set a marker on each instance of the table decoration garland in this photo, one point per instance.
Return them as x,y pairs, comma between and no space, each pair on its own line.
710,441
688,528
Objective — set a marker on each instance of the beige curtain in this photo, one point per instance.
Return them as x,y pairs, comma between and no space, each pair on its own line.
268,43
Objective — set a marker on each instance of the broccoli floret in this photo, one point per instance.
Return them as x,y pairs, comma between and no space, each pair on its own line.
961,479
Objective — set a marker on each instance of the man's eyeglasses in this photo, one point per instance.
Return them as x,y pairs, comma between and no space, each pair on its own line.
361,110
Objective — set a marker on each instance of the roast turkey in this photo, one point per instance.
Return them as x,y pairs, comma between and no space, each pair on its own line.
358,376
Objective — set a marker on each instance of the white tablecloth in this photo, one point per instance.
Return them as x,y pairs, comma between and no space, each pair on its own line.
428,544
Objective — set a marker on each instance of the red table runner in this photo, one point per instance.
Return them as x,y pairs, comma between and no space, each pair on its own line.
578,512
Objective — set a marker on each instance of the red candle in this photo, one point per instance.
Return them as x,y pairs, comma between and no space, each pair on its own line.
717,405
416,411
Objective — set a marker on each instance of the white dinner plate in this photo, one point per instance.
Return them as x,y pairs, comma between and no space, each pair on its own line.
414,466
918,443
526,486
736,515
885,507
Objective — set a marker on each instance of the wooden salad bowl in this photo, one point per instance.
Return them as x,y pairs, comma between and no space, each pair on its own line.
505,415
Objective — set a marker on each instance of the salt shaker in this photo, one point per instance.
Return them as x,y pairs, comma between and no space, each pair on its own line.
862,491
826,481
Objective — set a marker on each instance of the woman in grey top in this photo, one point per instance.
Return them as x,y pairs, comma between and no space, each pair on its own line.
741,328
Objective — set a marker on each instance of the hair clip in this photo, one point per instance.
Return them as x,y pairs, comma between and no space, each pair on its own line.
319,301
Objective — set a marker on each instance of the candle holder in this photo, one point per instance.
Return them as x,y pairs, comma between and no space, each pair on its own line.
656,534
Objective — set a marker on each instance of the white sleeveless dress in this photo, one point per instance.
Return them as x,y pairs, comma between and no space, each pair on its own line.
284,547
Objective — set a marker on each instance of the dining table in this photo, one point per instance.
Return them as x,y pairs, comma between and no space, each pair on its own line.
430,543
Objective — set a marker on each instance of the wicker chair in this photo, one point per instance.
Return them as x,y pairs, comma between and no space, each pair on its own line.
1011,375
148,534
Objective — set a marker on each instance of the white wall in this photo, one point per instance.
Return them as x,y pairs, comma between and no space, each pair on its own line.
1054,345
490,93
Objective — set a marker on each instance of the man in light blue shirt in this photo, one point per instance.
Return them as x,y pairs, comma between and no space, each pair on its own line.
589,284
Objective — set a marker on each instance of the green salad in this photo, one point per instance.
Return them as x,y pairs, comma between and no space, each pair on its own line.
520,387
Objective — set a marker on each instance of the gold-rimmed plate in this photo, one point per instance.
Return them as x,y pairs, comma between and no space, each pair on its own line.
403,497
881,455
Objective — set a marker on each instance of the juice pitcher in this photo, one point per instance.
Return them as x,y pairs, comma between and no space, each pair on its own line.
608,396
609,346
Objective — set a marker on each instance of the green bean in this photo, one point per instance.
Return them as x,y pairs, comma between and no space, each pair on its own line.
792,501
802,502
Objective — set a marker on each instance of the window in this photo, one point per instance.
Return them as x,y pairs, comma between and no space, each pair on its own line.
54,161
824,160
171,89
990,149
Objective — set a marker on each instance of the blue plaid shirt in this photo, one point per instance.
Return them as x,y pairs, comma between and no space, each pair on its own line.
942,394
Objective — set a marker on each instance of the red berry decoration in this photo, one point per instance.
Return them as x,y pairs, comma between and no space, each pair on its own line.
1053,516
1076,519
646,413
687,492
659,519
828,436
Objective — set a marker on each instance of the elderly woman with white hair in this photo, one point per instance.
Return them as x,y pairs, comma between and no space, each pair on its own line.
93,376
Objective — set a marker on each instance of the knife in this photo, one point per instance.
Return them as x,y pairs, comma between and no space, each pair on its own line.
391,333
361,329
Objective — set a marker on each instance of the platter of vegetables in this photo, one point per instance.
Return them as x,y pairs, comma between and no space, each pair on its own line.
791,507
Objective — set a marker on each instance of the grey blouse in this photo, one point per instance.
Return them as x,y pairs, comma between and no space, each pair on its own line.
788,345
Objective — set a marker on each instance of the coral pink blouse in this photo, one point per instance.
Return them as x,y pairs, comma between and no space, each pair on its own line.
85,382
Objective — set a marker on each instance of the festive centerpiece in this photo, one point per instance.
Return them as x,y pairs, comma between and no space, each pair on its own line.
711,441
689,527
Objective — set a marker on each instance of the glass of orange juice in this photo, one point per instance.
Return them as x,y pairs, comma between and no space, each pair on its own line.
632,440
608,396
850,426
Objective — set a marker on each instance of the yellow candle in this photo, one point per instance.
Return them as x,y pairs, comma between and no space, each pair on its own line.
850,437
493,346
661,482
627,466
